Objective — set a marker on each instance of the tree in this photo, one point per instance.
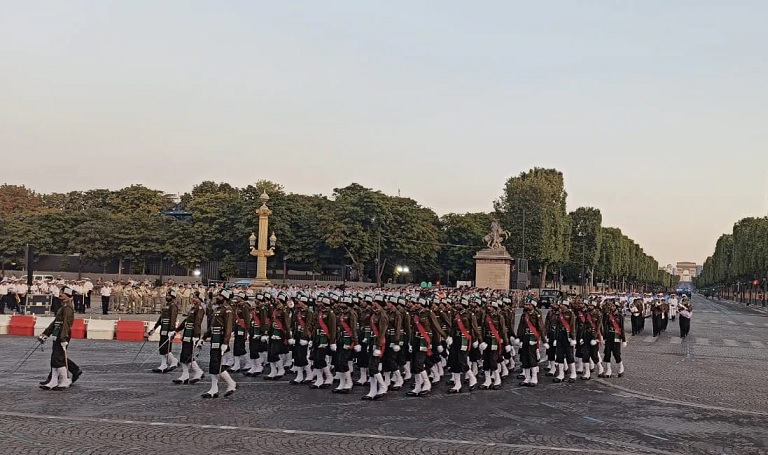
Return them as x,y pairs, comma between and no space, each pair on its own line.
228,269
19,200
462,235
138,198
532,207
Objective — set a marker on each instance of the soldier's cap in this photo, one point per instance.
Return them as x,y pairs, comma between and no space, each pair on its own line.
282,297
565,302
495,303
304,299
532,302
226,293
506,300
465,301
325,300
421,301
268,295
355,299
378,298
333,296
67,290
172,293
242,295
346,300
368,298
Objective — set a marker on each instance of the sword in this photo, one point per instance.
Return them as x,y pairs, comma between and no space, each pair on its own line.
24,360
140,349
154,352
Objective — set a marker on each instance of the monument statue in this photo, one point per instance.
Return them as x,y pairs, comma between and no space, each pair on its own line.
496,237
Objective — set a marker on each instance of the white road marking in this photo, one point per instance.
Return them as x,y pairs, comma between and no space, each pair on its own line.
650,339
730,343
593,419
675,340
757,344
657,437
731,322
702,341
309,433
748,323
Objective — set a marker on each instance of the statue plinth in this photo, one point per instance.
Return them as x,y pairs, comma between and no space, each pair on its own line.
493,268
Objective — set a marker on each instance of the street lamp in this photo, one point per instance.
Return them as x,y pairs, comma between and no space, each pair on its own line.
258,246
402,269
196,272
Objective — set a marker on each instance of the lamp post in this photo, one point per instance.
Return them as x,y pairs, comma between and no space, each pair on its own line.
260,251
402,269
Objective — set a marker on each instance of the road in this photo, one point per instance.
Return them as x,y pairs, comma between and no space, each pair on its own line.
702,395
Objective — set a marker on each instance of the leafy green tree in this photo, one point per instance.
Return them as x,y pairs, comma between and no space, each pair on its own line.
532,207
462,235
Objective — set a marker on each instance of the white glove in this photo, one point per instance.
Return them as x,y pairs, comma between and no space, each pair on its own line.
391,345
508,348
198,342
151,331
396,348
440,349
42,338
593,342
224,348
345,347
483,346
532,342
291,341
518,342
581,341
303,342
64,344
333,347
573,342
624,344
358,348
475,344
171,335
410,348
309,344
449,341
264,338
377,352
511,340
546,345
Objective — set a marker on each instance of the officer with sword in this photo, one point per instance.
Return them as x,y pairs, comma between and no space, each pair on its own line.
60,332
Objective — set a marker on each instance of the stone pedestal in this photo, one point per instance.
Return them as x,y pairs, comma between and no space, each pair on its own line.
493,268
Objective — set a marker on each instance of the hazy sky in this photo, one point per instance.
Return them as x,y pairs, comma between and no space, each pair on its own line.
656,111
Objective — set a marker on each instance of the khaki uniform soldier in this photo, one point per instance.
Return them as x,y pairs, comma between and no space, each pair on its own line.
280,333
167,324
60,332
258,339
191,333
220,326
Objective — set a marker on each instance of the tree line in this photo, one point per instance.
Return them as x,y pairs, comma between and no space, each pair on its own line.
740,259
369,232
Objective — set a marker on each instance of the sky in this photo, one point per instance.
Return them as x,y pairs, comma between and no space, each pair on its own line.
654,110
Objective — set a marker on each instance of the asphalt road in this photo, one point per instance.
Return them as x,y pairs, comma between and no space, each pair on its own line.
702,395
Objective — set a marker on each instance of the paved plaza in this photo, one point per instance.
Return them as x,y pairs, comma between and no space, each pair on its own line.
702,395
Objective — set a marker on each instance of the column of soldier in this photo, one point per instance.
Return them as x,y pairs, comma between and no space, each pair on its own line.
391,338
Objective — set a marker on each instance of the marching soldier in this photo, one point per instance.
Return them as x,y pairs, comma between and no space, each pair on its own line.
348,341
657,317
464,331
590,340
636,310
530,330
280,333
550,324
615,338
494,332
258,338
191,332
323,343
242,323
685,311
425,326
364,312
302,335
565,340
220,326
60,331
382,338
167,322
509,353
